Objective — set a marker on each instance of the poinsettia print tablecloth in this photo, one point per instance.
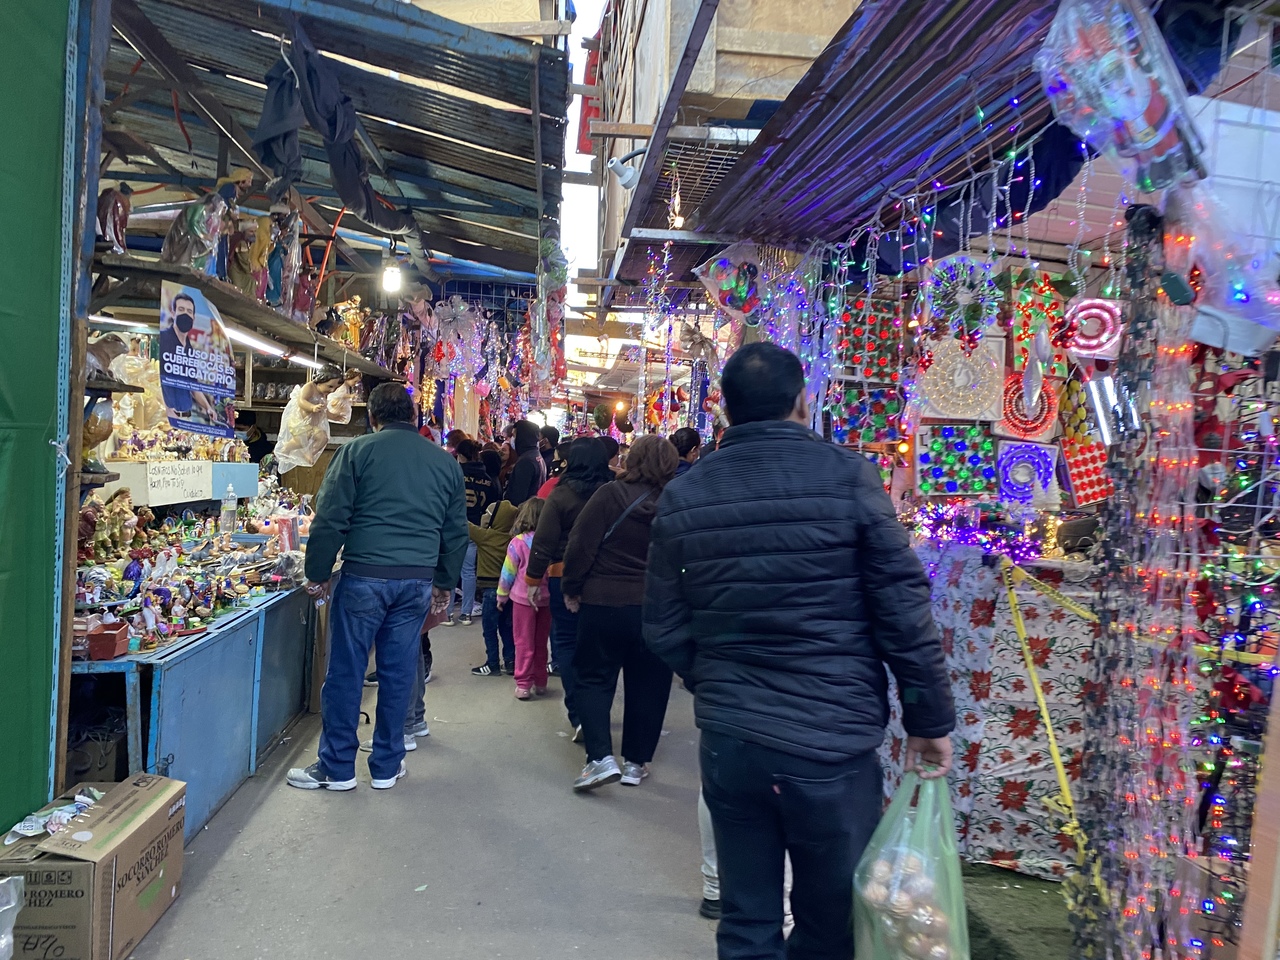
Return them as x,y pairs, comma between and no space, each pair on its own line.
1003,768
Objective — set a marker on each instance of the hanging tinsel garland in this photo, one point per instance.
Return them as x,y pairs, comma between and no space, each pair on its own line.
1132,902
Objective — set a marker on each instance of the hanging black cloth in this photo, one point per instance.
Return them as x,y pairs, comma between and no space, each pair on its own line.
276,138
333,116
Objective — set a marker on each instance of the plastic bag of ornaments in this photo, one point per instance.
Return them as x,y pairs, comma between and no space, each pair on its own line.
908,900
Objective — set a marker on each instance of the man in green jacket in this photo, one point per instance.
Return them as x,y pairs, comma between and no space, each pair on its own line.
394,503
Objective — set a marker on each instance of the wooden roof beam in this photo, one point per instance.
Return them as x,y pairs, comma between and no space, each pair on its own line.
405,21
605,130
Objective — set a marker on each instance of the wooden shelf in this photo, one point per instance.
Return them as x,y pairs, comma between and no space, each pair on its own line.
96,479
110,385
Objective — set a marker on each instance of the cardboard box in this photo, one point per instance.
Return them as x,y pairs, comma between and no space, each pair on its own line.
96,887
109,642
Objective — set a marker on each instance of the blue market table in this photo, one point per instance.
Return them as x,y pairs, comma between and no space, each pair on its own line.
206,708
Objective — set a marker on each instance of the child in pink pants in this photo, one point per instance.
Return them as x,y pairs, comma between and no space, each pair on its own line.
531,624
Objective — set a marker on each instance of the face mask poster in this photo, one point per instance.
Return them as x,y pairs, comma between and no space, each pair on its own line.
196,375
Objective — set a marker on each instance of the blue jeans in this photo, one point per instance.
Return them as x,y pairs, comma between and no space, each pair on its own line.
468,582
564,644
497,623
388,615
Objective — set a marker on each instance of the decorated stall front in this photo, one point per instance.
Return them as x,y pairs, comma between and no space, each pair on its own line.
1060,355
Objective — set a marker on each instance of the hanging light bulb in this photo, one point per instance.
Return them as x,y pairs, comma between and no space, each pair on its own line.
391,277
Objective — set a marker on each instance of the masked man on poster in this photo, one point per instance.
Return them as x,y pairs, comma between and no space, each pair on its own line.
395,503
780,586
175,340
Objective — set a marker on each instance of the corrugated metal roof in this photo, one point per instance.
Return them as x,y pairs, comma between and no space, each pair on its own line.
453,119
902,95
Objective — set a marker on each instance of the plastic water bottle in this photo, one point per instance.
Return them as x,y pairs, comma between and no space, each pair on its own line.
227,519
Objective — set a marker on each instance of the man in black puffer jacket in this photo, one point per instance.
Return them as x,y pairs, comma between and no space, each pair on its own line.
780,586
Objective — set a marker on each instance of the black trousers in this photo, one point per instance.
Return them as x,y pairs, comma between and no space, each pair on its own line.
609,641
765,802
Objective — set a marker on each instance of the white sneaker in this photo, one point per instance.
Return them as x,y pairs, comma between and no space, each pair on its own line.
410,744
418,730
388,784
311,778
598,773
633,773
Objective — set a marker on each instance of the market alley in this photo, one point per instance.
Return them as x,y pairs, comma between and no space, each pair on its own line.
482,851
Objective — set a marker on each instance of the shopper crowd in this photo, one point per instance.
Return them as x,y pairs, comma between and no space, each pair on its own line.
767,572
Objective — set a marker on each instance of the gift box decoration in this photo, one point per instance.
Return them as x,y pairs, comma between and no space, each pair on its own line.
956,459
871,340
1085,467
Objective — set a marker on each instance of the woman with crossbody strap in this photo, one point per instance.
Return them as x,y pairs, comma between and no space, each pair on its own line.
604,570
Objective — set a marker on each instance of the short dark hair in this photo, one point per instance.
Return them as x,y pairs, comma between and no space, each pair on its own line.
467,449
390,403
550,434
761,382
187,297
610,445
686,440
454,437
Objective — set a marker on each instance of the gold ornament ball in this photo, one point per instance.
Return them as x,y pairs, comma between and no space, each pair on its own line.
881,870
910,865
917,947
939,951
891,927
928,921
876,894
920,886
901,904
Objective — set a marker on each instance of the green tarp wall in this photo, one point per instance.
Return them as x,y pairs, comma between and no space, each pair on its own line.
33,58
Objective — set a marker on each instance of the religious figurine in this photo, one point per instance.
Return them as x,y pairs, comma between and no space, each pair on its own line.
150,625
114,206
101,536
304,297
87,528
121,520
230,188
240,246
259,252
99,355
304,425
192,240
143,533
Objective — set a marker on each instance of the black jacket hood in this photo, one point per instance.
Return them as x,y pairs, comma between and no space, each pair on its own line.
527,436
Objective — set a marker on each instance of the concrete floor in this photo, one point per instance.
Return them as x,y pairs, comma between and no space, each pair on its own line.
482,851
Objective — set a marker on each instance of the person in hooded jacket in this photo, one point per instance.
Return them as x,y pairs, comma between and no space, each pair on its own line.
482,491
604,572
491,536
586,471
530,471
